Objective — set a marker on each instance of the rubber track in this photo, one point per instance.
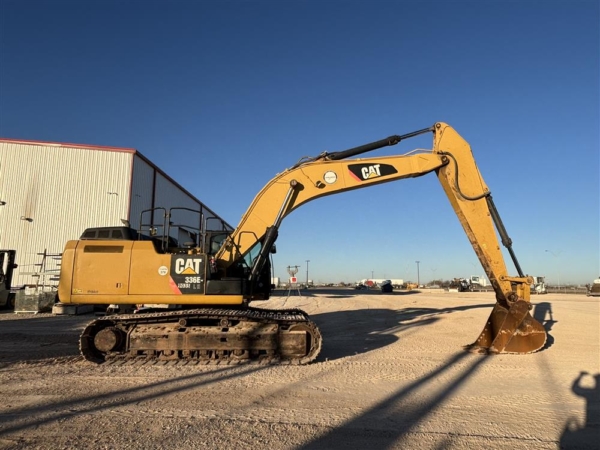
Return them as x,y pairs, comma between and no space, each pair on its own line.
280,316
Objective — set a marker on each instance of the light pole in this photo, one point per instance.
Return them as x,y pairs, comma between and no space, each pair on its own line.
556,255
372,274
418,275
307,261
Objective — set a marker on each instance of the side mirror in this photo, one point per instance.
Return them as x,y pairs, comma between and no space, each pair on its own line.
273,249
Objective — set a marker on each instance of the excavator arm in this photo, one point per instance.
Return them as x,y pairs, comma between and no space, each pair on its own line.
510,327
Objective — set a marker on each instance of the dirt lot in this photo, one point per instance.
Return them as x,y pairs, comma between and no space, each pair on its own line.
392,374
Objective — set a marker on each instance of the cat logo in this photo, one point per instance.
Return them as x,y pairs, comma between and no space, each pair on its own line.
371,171
187,266
363,172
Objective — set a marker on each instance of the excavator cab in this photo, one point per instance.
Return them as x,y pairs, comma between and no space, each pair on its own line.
150,265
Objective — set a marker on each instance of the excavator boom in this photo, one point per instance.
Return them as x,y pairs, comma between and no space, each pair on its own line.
510,327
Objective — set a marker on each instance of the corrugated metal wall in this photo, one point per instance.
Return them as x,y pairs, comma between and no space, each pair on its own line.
52,193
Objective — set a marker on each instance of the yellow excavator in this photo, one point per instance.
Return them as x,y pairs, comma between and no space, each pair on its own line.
213,279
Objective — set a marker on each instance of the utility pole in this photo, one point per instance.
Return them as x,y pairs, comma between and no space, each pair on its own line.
307,261
418,275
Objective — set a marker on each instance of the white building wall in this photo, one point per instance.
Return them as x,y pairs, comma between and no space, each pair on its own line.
52,193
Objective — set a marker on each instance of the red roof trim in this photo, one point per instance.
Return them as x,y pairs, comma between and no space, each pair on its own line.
65,144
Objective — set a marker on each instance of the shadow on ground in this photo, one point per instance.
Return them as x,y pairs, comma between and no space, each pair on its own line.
365,430
33,416
576,436
35,337
345,333
336,293
543,314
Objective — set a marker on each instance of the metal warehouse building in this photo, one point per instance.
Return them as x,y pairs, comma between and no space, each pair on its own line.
51,192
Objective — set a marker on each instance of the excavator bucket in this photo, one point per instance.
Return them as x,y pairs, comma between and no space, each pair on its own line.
510,331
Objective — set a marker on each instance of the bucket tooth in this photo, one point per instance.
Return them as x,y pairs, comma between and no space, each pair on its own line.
510,331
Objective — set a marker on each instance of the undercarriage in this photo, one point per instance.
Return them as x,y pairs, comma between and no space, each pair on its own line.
206,335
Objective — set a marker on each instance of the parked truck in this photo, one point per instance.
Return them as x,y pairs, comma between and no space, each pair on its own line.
594,288
539,285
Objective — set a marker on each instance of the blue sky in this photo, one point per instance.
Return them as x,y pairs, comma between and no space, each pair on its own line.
224,95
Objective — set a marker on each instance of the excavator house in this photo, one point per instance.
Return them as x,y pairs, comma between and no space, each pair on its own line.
208,284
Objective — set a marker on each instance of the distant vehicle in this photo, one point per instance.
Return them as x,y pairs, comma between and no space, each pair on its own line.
465,285
360,286
477,282
539,285
372,282
461,285
594,289
386,286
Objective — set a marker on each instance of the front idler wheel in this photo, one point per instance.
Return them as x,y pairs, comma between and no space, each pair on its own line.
109,340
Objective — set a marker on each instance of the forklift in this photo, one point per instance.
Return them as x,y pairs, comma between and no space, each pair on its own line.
7,265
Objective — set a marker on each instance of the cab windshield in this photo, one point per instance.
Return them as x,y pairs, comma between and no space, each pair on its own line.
251,256
216,242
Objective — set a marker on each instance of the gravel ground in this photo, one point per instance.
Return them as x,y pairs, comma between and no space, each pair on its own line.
392,374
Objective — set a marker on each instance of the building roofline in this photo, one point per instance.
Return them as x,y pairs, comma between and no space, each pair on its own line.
70,145
113,149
